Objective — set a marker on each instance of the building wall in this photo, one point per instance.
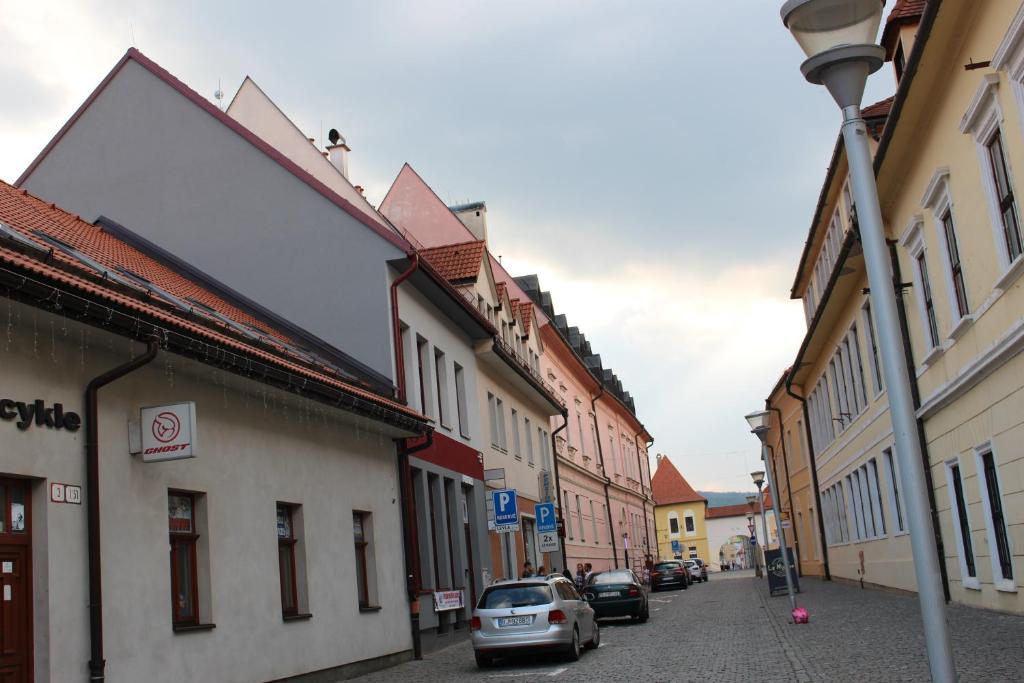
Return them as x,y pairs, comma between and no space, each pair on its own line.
688,540
258,446
148,158
720,530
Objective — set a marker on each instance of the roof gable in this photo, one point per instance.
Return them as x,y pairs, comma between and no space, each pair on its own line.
419,214
668,485
457,263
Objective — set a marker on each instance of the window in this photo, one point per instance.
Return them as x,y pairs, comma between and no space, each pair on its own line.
836,530
497,410
895,504
502,432
876,366
441,380
1004,197
955,267
286,560
361,535
515,434
673,525
545,439
992,503
688,519
182,529
593,521
926,300
865,498
423,372
528,431
579,517
568,514
493,414
962,525
899,61
460,400
579,426
693,552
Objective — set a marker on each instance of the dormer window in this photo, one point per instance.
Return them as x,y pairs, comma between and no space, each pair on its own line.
899,61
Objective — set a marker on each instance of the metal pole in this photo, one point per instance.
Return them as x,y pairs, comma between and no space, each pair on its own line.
901,407
782,531
764,527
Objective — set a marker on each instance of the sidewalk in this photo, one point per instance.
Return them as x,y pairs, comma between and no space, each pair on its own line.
871,635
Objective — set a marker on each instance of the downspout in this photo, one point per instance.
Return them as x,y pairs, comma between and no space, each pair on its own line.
558,481
654,515
97,665
411,533
643,497
776,497
915,394
604,474
814,475
789,489
396,325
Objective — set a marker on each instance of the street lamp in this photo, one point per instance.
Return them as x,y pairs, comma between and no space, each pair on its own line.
758,477
838,38
760,423
752,528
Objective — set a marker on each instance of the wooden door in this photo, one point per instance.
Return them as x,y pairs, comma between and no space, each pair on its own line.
15,582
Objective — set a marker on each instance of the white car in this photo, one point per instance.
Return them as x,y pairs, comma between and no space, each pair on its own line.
532,614
695,571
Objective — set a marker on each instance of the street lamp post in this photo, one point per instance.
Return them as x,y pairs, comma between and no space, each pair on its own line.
753,528
758,478
759,424
838,38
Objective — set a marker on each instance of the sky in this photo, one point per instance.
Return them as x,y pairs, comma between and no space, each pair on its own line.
657,164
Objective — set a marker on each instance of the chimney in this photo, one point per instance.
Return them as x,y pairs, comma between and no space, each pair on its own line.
337,152
474,217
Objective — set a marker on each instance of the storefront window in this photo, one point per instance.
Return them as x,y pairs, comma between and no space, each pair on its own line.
181,527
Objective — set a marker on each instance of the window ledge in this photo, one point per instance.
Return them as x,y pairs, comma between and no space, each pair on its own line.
188,628
1013,272
369,608
932,356
464,435
517,457
296,617
531,464
1005,586
958,330
971,583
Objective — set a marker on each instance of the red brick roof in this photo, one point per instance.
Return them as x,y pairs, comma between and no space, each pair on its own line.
740,510
456,262
904,12
878,109
27,213
669,486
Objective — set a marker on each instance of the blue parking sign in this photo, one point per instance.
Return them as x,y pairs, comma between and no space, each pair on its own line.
546,520
506,509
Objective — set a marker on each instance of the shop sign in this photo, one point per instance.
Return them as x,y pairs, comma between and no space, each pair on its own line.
447,600
169,432
36,413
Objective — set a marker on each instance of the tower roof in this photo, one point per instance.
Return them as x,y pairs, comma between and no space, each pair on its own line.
669,486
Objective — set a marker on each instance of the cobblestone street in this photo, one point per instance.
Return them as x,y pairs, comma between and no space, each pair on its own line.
729,630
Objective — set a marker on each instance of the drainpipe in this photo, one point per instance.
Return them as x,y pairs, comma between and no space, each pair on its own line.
789,489
396,327
643,496
814,475
915,395
411,533
654,511
558,481
604,474
97,665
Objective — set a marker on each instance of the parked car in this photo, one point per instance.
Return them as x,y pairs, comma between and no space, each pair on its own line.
532,614
703,569
694,569
669,574
617,593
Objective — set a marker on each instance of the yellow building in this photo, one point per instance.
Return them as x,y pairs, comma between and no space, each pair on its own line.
949,153
679,515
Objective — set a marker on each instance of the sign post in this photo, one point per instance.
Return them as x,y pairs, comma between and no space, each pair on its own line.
547,527
506,511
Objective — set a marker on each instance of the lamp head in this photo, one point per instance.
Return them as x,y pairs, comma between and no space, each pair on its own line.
758,477
838,37
760,423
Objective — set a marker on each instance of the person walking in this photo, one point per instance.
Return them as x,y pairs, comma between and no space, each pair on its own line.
527,569
581,576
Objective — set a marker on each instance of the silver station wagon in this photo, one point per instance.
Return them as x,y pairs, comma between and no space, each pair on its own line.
532,614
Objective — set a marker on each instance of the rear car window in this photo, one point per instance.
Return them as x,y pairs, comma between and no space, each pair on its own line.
499,597
611,577
667,566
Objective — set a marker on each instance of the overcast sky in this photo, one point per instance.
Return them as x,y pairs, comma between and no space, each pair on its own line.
656,163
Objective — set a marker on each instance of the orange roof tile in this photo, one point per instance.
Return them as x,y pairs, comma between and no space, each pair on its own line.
456,262
27,213
739,510
669,486
904,12
526,313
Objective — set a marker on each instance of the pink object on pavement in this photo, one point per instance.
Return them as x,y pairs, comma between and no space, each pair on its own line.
800,615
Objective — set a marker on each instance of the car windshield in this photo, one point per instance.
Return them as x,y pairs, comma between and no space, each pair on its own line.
517,595
666,566
611,577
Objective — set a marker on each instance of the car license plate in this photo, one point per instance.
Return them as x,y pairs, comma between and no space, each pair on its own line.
515,621
612,594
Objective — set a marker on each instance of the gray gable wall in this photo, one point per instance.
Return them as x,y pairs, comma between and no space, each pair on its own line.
145,156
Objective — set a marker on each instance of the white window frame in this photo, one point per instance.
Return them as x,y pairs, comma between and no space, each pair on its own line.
688,515
516,439
877,377
913,241
1002,584
983,118
875,493
966,579
528,431
678,532
939,198
460,400
499,407
897,515
593,522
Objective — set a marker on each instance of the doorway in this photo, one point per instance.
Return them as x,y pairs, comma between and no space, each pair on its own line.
15,581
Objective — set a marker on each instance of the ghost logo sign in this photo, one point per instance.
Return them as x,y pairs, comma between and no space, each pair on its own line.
166,427
26,414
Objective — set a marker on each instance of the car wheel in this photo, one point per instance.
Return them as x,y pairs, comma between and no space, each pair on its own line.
595,641
685,584
574,647
483,661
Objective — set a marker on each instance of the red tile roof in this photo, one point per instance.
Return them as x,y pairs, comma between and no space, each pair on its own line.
740,510
904,13
767,495
526,315
27,213
878,109
669,486
456,262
